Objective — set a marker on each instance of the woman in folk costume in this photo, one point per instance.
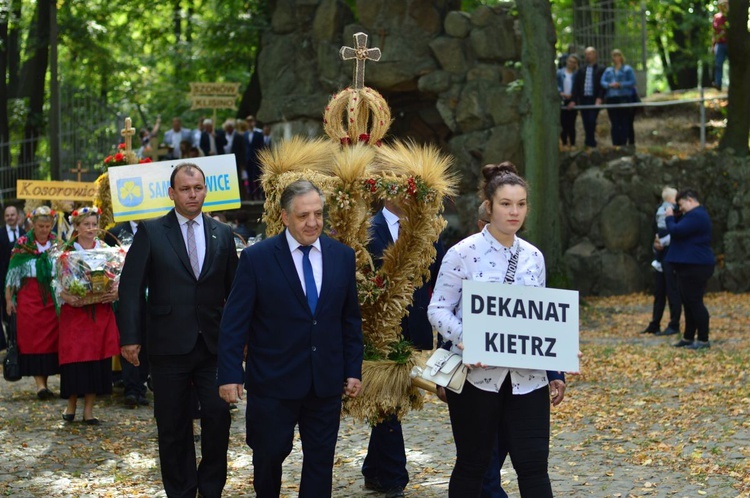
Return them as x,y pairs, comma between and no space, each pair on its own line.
88,332
29,295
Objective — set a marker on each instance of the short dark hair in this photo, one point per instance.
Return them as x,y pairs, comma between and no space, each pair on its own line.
295,189
18,211
688,193
188,167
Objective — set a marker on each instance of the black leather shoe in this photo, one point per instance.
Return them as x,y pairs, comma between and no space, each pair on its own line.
394,493
131,401
649,331
45,394
143,401
68,417
91,421
683,343
374,485
668,331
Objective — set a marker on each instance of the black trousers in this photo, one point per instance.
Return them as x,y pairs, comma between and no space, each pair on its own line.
692,281
270,433
619,120
568,123
589,121
135,377
666,290
174,377
477,416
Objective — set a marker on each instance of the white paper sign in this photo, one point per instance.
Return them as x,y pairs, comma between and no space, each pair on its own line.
520,326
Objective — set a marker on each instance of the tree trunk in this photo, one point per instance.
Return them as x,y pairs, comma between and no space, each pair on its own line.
540,129
4,125
14,47
250,102
737,132
35,71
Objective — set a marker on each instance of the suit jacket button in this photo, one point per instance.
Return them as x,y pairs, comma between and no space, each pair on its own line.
314,348
315,322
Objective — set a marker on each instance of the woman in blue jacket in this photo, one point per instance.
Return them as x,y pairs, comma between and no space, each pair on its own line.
618,81
693,260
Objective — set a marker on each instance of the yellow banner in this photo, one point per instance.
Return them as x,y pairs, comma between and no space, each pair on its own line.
141,191
55,191
200,102
214,88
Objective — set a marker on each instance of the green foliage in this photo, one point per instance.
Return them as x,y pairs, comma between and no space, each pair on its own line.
131,56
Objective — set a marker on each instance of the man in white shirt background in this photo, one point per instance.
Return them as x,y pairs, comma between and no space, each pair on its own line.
173,137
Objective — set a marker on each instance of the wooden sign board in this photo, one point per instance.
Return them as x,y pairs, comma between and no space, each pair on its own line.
214,88
56,191
204,102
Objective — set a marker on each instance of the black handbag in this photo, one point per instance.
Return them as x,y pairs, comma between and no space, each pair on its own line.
11,366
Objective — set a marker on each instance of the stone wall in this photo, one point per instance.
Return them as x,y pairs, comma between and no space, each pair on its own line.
608,203
447,75
449,79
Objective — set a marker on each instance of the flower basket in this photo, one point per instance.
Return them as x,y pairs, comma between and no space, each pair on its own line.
89,275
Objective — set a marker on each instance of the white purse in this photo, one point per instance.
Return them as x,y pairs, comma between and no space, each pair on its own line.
446,369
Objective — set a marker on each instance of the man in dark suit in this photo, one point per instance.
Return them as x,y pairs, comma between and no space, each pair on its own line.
255,142
8,236
187,260
230,141
587,90
133,378
384,467
294,307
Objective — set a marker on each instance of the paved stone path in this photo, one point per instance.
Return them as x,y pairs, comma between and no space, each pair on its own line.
632,425
44,456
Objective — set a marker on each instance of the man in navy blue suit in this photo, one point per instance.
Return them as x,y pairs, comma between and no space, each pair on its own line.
294,307
384,468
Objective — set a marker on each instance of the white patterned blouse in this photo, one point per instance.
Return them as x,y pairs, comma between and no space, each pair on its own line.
481,257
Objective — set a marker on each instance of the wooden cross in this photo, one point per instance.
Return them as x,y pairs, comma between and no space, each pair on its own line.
360,53
128,133
383,33
78,170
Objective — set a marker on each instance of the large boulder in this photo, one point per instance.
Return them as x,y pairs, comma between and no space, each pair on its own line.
449,53
592,191
620,224
583,262
457,24
496,41
468,150
330,19
504,144
435,82
619,274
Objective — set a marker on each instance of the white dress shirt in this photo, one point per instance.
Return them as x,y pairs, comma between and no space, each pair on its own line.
481,257
13,233
133,227
228,146
316,260
393,225
200,237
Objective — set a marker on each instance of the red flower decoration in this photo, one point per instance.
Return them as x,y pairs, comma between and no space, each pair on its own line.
108,160
145,160
119,156
120,146
364,137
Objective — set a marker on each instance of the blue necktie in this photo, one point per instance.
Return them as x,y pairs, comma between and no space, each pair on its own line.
312,290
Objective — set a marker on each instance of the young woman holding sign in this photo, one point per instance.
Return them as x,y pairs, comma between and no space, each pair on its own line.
511,402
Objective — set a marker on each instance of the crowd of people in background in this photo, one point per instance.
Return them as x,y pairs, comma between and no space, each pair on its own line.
244,138
588,83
